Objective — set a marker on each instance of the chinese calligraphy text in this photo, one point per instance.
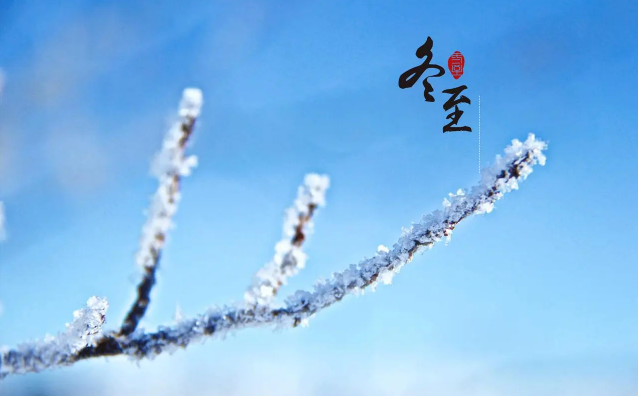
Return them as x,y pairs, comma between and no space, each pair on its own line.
456,64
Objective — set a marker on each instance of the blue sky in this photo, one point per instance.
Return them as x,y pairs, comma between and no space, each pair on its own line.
538,297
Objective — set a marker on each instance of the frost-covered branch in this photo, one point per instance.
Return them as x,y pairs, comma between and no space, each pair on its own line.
83,331
496,180
170,165
289,258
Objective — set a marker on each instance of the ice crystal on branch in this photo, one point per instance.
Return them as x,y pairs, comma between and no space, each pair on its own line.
289,257
54,350
169,166
302,305
496,180
87,323
83,338
191,104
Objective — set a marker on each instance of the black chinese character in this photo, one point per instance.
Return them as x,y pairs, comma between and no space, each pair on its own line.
455,116
411,76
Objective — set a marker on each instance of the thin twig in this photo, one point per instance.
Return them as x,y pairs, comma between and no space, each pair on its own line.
164,204
289,257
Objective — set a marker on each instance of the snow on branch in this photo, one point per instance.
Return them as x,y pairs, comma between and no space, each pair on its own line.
39,355
289,257
169,166
496,180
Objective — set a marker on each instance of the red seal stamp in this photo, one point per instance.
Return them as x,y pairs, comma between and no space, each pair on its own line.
455,64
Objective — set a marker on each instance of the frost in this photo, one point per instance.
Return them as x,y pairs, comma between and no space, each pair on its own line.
289,258
382,249
53,350
191,104
168,166
448,236
314,189
300,307
385,276
87,323
500,178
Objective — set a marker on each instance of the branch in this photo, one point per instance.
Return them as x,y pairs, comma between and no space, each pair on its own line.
82,332
289,257
502,177
170,166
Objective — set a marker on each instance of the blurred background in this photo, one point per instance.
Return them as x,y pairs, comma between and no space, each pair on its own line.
537,298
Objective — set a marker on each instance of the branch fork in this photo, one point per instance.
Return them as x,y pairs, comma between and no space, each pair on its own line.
84,338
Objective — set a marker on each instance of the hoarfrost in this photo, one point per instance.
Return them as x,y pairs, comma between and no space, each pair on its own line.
497,180
35,356
168,166
289,258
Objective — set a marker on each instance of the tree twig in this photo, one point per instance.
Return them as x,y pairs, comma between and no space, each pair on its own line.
171,166
289,257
